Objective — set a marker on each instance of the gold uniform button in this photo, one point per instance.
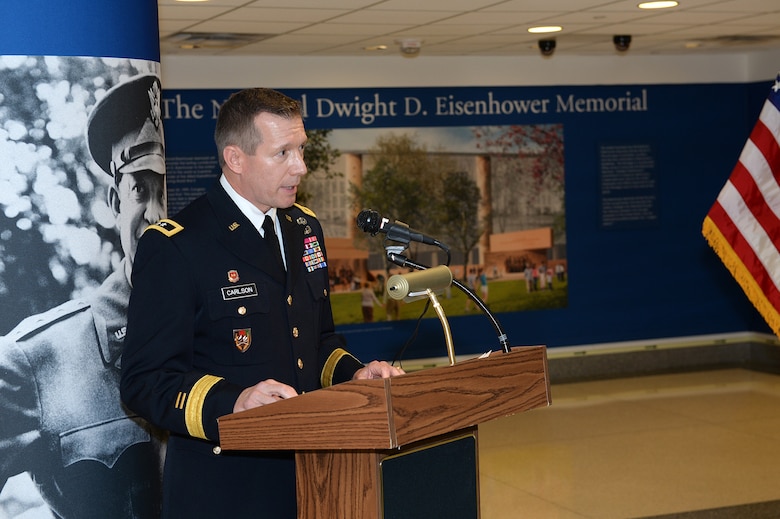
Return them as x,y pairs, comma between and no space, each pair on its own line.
325,292
241,310
295,331
217,450
300,364
289,300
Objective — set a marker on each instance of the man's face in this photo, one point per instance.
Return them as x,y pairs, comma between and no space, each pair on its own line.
271,175
141,199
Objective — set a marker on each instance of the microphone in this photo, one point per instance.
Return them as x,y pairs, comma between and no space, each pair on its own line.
414,285
371,222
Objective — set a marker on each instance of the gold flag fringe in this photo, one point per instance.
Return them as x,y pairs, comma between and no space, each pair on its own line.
723,249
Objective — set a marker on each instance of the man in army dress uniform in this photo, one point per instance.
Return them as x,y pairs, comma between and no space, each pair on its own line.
62,419
219,322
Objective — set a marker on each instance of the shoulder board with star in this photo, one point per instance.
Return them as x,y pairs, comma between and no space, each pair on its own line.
306,210
166,226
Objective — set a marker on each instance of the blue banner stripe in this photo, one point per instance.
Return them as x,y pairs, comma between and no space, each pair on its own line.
106,28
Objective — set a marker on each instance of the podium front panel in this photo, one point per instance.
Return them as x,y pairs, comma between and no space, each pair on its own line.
438,479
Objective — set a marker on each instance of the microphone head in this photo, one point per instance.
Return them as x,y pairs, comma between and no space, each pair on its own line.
369,221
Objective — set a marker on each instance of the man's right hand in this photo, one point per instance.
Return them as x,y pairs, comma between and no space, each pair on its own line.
263,393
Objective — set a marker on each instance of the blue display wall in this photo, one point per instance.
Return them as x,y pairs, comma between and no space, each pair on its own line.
626,282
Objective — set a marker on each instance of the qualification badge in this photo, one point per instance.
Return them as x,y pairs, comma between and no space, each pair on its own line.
243,339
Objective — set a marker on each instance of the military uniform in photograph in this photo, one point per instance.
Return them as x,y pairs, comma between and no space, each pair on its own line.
62,419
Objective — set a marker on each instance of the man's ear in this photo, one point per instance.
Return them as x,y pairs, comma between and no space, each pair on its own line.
234,158
113,199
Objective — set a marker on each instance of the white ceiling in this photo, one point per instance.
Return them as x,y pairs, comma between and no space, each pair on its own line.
464,27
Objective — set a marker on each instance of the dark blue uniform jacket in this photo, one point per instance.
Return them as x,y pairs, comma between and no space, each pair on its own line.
211,314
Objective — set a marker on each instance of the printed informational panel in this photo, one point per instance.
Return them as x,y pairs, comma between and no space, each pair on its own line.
629,185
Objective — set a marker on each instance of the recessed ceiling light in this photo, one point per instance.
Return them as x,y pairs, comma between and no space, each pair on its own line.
545,29
211,40
658,5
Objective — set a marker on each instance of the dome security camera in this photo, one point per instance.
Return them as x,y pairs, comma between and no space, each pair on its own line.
622,42
409,47
547,47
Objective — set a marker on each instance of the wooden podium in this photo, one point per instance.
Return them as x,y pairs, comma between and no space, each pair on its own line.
342,434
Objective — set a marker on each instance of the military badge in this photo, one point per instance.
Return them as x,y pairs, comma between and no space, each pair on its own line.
242,339
155,109
232,276
313,257
166,226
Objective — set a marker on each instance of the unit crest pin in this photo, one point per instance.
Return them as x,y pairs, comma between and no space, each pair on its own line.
242,339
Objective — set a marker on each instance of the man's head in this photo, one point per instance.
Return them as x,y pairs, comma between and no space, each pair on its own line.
125,138
260,137
236,119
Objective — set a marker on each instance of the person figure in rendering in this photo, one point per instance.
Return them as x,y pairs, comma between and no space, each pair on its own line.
368,300
219,323
483,285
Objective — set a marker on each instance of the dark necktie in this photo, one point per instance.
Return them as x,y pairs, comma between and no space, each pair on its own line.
272,240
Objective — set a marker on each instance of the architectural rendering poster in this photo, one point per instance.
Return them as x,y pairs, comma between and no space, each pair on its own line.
494,195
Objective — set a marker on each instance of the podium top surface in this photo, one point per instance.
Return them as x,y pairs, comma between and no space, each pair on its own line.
389,413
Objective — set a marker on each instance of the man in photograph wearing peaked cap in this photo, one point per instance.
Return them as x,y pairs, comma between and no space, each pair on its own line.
63,420
126,140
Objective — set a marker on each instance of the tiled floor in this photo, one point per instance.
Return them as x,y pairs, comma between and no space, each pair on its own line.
637,447
648,446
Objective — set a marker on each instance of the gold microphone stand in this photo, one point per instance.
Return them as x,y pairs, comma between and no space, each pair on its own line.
444,324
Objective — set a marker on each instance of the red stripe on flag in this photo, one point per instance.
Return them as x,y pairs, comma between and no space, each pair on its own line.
750,263
754,200
765,140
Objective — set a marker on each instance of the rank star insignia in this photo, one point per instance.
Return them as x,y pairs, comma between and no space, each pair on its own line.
232,276
167,227
242,339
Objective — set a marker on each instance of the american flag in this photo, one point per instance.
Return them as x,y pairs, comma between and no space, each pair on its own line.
743,226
